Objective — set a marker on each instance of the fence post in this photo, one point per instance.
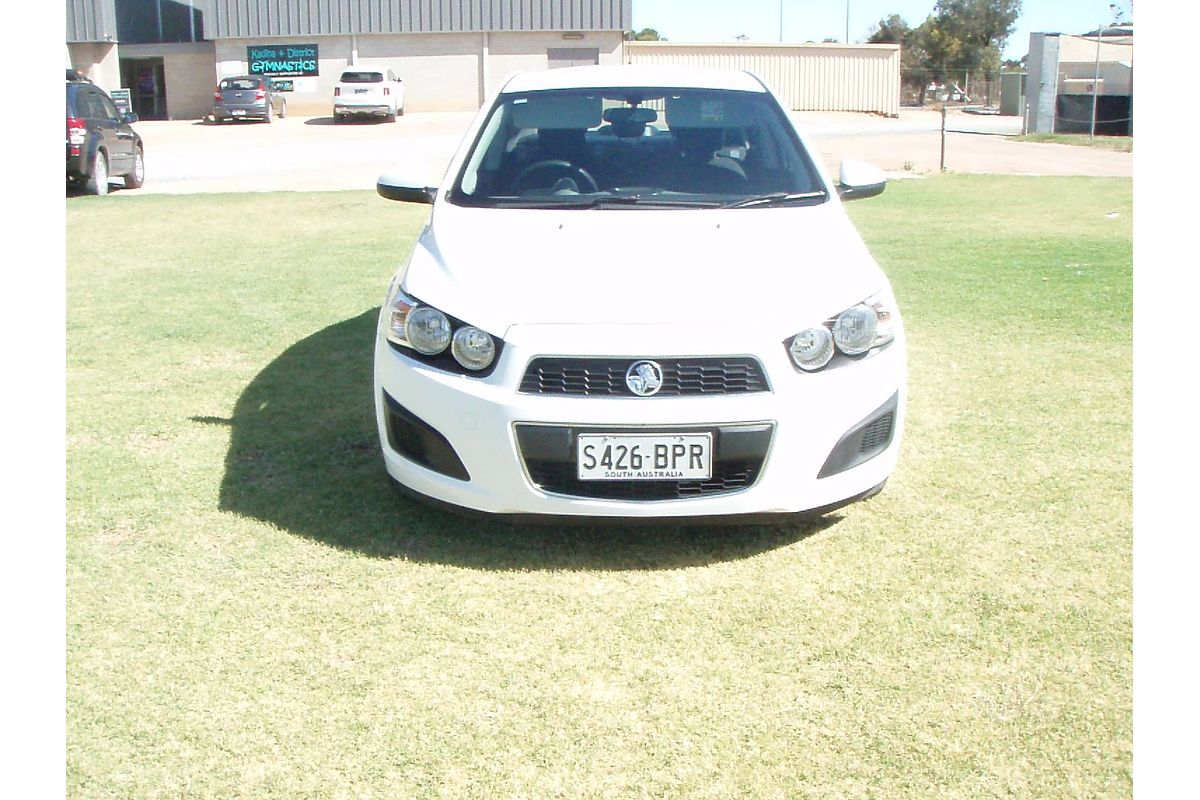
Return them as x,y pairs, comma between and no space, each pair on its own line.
1096,85
943,164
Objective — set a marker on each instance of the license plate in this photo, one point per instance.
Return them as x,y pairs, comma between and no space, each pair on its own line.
360,91
237,112
644,456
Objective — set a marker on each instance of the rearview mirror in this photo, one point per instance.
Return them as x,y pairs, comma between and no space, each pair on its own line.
858,179
400,187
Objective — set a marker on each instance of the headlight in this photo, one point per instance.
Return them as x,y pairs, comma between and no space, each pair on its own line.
857,330
438,339
854,330
427,330
473,348
811,349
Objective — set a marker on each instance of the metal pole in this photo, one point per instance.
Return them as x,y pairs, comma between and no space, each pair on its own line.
943,164
1096,85
847,21
781,21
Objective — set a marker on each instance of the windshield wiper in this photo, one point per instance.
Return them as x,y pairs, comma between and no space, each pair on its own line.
776,199
574,201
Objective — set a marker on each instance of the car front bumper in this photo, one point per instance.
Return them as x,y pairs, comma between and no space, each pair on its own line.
811,443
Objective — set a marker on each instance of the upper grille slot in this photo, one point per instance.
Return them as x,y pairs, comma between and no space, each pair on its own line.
605,377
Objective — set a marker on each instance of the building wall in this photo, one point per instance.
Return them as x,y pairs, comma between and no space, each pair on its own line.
257,18
441,72
91,21
809,77
98,62
188,72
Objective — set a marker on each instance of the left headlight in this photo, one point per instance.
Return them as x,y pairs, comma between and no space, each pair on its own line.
859,329
438,339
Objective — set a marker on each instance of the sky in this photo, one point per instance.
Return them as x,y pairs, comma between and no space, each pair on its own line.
815,20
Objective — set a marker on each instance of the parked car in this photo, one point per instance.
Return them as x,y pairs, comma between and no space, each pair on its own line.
248,97
365,90
101,142
637,295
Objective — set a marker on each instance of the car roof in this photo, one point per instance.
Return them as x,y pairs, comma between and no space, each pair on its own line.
634,75
364,68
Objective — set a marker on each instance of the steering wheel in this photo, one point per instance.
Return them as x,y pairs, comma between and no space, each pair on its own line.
554,165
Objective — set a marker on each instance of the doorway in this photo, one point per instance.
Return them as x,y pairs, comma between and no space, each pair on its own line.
146,80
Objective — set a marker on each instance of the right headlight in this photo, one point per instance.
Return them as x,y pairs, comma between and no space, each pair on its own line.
437,338
859,329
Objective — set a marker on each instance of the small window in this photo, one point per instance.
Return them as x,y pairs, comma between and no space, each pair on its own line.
108,109
362,77
240,84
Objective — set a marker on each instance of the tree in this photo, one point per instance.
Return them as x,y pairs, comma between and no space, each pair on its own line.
914,72
648,35
960,36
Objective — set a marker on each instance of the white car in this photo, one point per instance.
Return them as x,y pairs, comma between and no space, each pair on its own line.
637,296
366,90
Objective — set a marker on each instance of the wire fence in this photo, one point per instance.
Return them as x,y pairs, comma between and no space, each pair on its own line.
920,87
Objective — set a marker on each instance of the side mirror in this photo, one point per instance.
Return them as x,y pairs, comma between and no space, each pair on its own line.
129,119
399,187
858,179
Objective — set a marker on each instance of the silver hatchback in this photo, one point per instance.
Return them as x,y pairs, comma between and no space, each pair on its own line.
247,97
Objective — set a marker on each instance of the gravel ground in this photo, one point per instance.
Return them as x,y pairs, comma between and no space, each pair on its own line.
313,154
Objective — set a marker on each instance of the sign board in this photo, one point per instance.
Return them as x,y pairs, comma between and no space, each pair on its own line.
121,99
283,60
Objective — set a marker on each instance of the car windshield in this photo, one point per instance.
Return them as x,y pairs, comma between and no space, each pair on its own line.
240,84
362,77
649,147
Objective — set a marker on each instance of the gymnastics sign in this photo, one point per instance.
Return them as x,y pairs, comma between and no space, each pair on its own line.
285,60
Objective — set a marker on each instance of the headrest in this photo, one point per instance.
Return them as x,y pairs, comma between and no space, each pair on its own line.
556,112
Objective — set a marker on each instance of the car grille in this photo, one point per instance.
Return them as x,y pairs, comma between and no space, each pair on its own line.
605,377
548,451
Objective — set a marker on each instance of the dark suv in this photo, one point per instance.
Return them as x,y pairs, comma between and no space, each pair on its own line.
100,142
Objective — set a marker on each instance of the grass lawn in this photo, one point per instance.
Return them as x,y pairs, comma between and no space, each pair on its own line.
253,612
1123,144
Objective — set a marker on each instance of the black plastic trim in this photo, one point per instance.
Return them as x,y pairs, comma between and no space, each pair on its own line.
864,441
421,443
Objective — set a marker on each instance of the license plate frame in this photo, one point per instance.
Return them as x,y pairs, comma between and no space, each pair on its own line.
644,456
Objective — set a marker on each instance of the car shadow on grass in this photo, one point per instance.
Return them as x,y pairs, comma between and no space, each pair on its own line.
304,456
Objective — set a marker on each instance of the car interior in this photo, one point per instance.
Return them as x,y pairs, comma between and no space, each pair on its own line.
696,142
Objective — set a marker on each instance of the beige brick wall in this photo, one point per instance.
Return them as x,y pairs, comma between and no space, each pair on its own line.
190,82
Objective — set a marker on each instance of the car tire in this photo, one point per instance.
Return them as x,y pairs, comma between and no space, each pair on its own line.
268,116
97,182
283,110
134,179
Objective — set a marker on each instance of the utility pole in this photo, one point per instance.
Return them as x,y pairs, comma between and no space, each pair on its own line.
847,39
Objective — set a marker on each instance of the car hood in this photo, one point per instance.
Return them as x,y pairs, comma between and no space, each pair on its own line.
499,267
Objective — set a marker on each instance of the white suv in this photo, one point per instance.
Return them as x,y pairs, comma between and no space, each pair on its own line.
368,90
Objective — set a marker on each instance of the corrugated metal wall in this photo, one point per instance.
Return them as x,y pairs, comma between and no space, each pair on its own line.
815,77
91,21
232,19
